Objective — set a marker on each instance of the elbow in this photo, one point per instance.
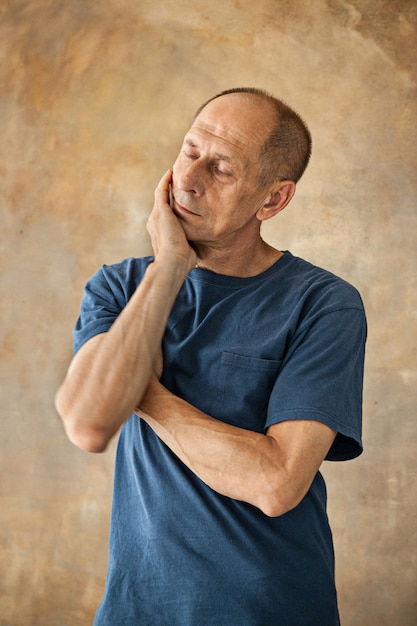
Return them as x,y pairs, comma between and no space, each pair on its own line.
86,437
278,501
275,507
87,440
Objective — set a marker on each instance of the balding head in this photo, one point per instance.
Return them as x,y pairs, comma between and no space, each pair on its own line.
285,151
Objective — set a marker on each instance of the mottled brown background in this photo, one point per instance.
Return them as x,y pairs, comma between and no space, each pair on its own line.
94,99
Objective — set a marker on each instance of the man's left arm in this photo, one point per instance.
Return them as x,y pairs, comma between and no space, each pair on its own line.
272,472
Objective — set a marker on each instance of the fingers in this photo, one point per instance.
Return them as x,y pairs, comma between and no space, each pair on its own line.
162,225
162,190
168,237
162,197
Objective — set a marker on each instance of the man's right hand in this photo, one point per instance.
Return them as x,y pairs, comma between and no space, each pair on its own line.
167,235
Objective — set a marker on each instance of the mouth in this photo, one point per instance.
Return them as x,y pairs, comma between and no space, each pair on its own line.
179,209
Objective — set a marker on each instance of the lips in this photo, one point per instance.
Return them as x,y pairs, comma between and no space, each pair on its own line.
184,209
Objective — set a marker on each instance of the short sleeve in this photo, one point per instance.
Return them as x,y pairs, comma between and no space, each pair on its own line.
105,296
99,308
321,378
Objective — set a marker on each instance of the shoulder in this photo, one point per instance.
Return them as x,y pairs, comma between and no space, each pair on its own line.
106,293
319,288
126,270
119,278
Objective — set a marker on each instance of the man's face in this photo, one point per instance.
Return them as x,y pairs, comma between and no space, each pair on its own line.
215,177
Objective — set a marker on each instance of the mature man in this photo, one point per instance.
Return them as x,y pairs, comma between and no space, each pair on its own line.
219,510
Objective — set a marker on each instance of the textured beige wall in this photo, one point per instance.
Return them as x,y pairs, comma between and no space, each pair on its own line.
94,99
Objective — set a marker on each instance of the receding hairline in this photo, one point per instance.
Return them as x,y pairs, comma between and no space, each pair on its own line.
260,111
294,131
256,93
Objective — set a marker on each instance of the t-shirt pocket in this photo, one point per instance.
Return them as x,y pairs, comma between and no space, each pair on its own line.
244,386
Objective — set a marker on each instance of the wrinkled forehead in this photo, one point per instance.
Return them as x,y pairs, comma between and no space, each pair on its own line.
242,122
214,129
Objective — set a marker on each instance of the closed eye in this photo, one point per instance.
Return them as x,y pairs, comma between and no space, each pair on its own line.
190,155
193,156
223,172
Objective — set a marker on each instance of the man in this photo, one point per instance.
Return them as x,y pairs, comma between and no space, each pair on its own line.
219,510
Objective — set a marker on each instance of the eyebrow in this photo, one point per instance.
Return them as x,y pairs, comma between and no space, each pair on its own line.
218,155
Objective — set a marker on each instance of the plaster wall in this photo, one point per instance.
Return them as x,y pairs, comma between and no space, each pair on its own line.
94,100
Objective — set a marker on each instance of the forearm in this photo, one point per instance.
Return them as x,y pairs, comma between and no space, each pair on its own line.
235,462
109,377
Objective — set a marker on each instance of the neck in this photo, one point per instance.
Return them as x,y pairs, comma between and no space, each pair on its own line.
242,263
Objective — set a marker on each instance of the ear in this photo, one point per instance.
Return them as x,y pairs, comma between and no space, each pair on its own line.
277,199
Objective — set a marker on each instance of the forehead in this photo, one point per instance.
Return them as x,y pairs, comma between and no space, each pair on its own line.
234,122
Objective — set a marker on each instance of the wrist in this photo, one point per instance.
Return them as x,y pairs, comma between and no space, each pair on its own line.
176,268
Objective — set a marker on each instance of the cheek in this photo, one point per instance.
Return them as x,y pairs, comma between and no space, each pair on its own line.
179,170
176,165
176,175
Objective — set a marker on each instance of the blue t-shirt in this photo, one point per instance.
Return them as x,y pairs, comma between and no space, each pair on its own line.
252,352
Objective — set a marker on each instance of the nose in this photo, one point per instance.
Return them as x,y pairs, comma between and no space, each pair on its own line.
188,176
